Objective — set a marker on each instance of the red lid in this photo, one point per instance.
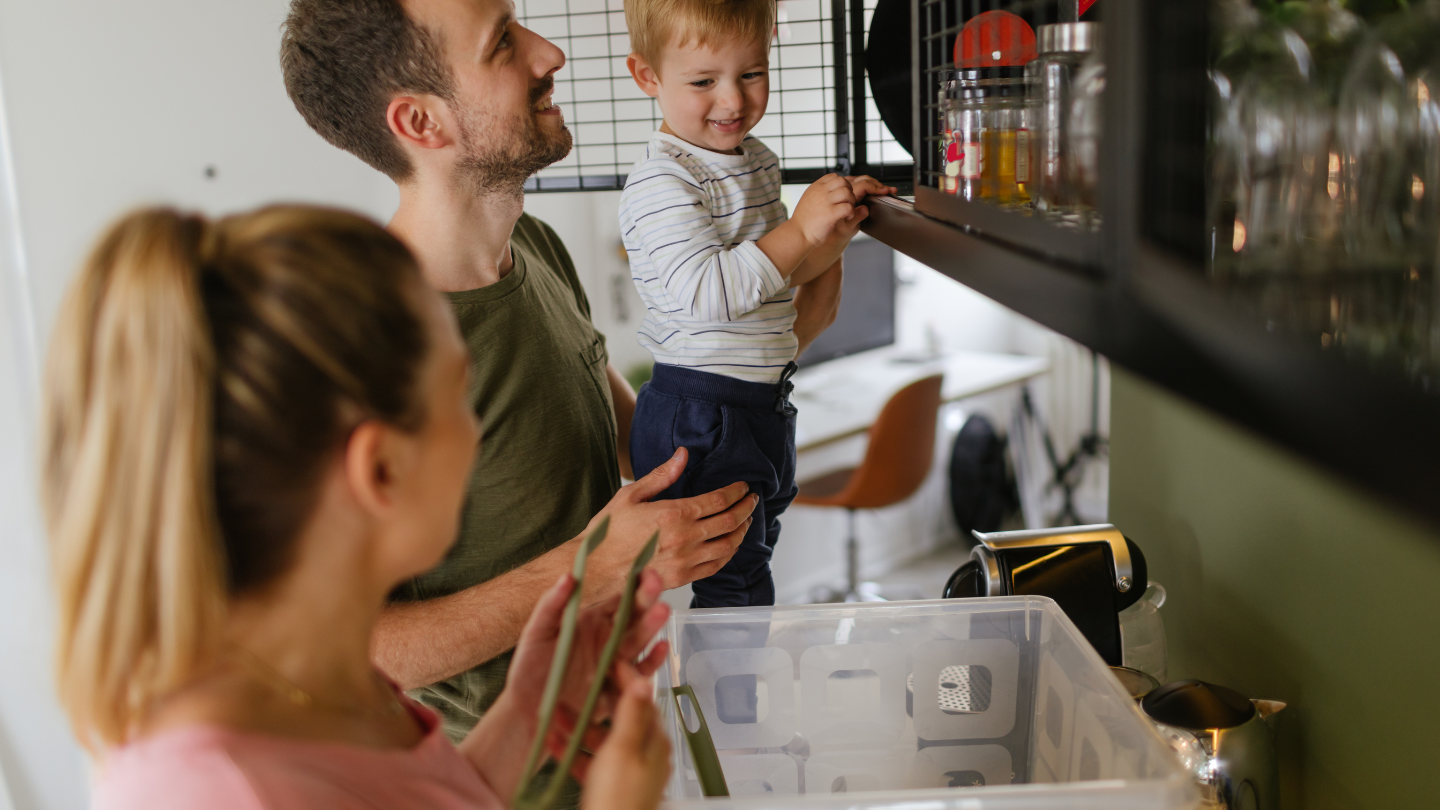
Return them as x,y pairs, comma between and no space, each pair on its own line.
994,39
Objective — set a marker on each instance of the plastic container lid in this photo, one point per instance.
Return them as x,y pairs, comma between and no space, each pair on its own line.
995,39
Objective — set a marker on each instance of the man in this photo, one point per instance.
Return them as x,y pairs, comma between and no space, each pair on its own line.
451,99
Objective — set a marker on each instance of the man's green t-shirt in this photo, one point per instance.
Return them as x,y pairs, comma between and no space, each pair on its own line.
547,460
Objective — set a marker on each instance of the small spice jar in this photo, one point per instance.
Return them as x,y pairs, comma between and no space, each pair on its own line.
950,158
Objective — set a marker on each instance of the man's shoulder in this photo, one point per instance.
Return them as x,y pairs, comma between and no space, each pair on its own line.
541,243
545,252
535,235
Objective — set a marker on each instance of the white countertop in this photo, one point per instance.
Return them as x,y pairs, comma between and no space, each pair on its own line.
843,397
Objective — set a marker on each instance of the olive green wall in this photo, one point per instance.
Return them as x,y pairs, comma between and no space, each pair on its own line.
1286,583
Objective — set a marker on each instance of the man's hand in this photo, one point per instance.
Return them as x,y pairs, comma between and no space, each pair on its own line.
418,643
697,535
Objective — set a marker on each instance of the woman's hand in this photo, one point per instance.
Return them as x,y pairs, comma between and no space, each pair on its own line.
529,669
630,769
498,744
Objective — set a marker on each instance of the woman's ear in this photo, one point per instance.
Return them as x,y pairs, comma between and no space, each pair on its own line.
370,467
644,74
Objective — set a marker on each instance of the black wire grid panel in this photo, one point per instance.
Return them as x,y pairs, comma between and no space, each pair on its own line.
611,120
874,149
940,24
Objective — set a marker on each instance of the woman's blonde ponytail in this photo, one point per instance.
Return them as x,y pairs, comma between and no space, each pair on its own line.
128,475
199,380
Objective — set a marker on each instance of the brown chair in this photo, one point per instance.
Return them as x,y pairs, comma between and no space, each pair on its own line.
902,445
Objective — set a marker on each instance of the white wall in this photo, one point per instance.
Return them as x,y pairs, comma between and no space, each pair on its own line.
38,760
112,105
117,104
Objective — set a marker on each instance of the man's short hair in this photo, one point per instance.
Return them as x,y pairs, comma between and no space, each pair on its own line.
656,24
345,59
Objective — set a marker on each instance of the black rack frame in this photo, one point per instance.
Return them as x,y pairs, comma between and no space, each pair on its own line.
852,140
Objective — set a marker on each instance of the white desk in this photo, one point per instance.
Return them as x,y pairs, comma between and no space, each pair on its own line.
842,398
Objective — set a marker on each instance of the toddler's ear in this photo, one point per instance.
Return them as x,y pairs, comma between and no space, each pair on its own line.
644,74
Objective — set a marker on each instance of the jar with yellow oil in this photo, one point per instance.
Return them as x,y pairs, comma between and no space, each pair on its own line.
986,120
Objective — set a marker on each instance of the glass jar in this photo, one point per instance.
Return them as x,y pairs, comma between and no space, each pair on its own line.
949,155
1049,79
988,153
1389,135
1083,138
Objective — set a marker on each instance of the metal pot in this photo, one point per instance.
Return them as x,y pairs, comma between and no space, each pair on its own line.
1224,739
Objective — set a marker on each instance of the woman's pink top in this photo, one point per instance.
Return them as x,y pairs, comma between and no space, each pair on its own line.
216,768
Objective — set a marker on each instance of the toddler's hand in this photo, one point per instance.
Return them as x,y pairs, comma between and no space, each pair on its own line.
862,187
826,203
867,186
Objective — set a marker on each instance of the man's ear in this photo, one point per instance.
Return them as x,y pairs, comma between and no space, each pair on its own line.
419,120
644,73
370,468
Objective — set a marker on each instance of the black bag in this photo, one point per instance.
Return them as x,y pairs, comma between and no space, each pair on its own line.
982,490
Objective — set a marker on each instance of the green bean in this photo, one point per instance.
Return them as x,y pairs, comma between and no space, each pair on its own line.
551,696
607,657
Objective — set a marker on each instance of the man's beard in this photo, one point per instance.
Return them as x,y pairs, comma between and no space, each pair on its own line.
501,153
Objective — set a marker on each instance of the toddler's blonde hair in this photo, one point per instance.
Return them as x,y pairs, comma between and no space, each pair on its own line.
655,24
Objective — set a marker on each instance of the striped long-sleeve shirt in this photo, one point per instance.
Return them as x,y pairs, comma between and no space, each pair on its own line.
715,302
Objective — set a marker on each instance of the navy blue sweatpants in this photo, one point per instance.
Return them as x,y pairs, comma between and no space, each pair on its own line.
735,431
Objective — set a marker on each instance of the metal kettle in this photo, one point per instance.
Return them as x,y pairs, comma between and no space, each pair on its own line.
1224,739
1093,572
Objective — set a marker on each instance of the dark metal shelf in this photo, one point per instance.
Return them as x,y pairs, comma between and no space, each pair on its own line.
1164,323
1077,249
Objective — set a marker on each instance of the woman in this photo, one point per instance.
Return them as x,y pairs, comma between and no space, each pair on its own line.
256,428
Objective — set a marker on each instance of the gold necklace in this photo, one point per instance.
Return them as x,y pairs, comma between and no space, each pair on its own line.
305,700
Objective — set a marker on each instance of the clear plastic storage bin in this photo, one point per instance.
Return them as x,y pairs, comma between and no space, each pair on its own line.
963,704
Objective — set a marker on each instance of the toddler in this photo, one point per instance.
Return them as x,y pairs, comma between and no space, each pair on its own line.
716,261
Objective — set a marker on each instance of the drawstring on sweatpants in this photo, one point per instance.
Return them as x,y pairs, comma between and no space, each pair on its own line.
784,388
